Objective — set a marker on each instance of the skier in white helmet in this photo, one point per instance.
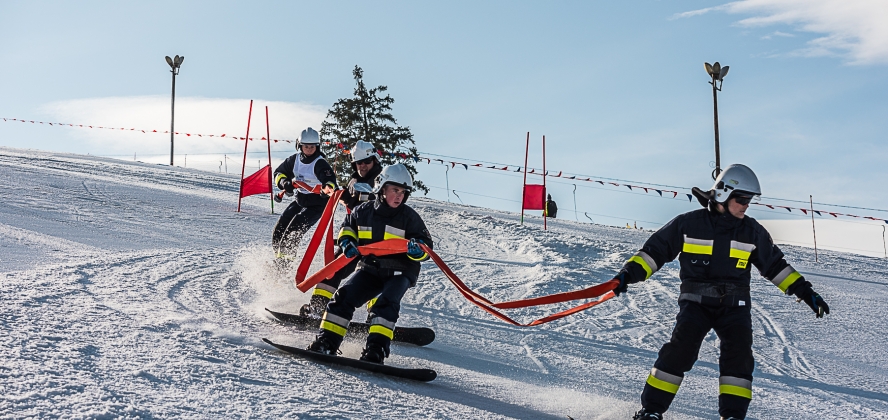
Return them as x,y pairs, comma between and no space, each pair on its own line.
387,277
716,248
309,166
366,167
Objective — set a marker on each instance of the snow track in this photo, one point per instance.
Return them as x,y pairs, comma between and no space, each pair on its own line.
135,291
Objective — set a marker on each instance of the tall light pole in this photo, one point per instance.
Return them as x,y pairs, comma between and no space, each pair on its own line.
174,68
717,73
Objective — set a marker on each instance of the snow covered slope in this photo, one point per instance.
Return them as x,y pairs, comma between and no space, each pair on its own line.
135,290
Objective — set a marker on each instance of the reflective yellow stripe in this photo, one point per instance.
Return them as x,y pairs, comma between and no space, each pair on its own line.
278,178
371,303
640,261
365,232
347,232
391,236
324,293
424,257
697,249
790,279
735,390
739,253
379,329
329,326
662,385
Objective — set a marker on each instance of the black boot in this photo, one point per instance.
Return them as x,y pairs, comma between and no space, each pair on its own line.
373,353
643,414
315,307
323,345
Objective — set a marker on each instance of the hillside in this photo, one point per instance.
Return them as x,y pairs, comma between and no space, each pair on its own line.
133,290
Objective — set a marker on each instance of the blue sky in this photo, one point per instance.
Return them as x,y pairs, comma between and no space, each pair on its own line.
618,88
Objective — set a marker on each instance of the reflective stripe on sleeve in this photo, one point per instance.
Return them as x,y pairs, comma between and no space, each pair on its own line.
697,246
393,233
365,232
741,250
346,231
646,262
786,278
335,324
731,385
664,381
278,178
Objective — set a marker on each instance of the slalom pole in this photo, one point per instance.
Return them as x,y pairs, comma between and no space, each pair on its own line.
813,229
545,201
244,164
524,187
270,182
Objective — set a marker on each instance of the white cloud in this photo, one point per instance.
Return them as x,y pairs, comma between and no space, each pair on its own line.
194,115
853,29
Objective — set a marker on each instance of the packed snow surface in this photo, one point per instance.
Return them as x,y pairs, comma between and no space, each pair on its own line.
132,290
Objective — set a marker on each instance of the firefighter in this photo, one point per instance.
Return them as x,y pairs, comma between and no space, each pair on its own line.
716,248
387,277
366,167
308,165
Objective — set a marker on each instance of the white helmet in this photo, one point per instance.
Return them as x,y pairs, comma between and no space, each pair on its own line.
396,175
309,136
363,150
735,179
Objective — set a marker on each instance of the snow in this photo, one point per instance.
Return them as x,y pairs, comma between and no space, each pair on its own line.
133,290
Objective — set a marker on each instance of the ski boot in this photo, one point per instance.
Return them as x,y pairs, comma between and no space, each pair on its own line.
644,414
373,353
322,345
315,307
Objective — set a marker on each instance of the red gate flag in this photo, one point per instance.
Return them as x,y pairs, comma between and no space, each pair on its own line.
534,197
258,183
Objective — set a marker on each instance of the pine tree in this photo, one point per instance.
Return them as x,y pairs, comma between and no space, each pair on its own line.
367,116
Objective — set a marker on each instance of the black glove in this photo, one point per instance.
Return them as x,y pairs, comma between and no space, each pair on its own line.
287,186
623,287
348,247
817,304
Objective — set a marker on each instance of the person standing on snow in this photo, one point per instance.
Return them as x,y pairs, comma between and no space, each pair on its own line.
387,277
716,245
308,166
551,208
366,167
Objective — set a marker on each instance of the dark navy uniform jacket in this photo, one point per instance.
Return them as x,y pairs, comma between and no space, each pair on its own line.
374,222
322,171
716,252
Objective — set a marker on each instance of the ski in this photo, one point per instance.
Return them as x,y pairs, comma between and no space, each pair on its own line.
422,375
419,336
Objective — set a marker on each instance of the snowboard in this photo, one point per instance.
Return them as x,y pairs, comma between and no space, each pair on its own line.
422,375
419,336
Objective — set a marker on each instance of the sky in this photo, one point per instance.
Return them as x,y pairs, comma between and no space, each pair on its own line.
618,89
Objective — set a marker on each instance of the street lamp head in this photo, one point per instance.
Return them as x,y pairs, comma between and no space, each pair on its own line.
169,61
178,61
707,65
723,73
716,69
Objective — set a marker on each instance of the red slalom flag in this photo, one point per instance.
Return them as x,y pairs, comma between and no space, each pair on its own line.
258,183
534,197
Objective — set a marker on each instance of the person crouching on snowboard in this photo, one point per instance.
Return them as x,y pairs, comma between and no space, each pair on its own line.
387,277
716,245
310,167
366,167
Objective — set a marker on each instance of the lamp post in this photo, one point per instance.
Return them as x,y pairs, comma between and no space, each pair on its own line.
174,63
717,73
